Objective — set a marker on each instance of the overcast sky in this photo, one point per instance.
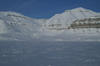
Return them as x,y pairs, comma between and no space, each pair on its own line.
39,9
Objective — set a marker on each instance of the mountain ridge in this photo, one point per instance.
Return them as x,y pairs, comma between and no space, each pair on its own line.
69,16
61,27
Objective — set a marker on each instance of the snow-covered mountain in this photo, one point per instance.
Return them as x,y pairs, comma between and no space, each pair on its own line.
15,22
65,19
72,25
15,25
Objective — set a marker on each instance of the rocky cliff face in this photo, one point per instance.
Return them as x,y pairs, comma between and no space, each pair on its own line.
86,23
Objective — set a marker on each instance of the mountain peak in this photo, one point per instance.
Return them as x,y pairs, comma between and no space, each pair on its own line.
79,9
5,13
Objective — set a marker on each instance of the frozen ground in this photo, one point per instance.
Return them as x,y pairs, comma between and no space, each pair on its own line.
29,53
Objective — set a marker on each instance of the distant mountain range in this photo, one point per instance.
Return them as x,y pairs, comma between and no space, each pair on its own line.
66,26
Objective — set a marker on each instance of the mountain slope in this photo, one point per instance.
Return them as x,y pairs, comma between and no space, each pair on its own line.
16,22
3,27
69,16
15,26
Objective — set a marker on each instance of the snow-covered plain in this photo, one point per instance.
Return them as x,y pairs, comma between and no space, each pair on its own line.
38,53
